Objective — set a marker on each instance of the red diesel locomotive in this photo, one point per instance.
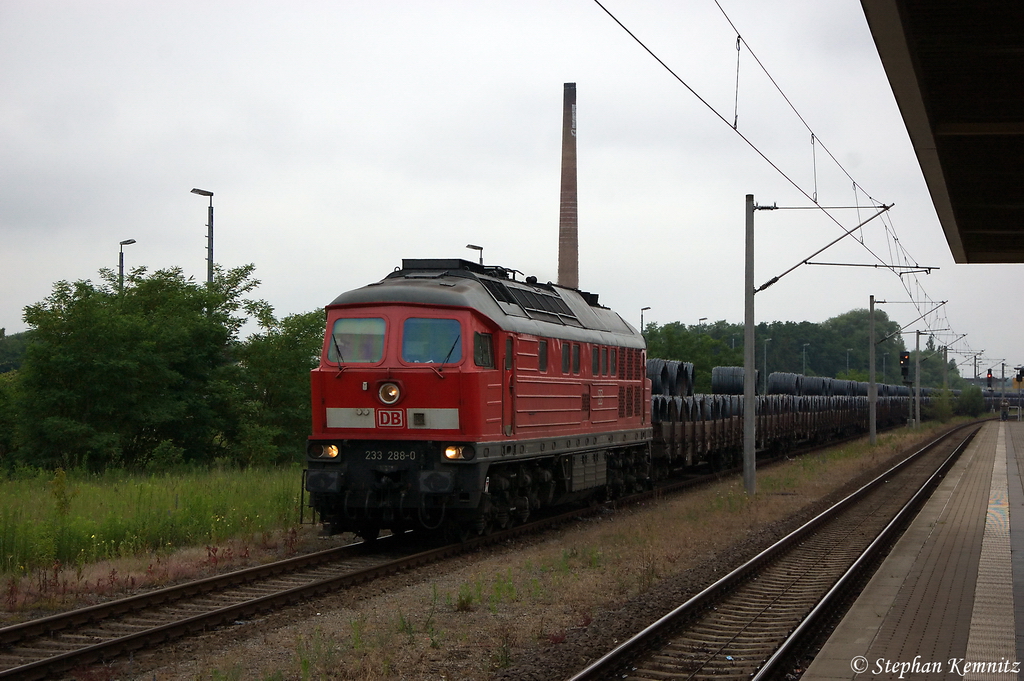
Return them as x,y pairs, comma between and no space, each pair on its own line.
452,395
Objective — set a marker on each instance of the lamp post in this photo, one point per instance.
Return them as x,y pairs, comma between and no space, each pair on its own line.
700,324
120,264
764,381
848,363
477,248
803,351
209,236
642,318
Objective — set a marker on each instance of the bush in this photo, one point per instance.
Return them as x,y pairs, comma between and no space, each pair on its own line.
970,402
941,407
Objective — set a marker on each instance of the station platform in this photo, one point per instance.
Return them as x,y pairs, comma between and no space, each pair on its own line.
948,601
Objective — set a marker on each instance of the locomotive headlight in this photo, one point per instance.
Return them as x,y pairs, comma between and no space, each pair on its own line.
324,451
389,393
464,452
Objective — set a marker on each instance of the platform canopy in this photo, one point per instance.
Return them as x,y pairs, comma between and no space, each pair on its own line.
957,71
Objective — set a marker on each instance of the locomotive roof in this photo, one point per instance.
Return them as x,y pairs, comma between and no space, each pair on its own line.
520,306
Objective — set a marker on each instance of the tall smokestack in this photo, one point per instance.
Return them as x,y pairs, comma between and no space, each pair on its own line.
568,223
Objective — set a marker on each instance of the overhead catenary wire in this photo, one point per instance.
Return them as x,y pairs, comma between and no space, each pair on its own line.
899,258
742,136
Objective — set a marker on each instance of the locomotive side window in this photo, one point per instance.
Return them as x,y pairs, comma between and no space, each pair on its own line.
611,362
565,358
483,351
508,352
575,358
542,355
604,361
595,353
356,340
433,341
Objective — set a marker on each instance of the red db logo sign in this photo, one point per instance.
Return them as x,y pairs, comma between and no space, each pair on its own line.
389,418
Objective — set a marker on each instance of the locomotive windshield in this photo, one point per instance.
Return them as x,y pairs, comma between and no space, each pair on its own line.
356,340
434,341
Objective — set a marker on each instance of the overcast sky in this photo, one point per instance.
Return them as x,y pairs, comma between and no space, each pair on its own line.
340,137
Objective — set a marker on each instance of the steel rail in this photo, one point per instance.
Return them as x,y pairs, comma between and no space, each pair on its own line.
820,611
94,613
632,647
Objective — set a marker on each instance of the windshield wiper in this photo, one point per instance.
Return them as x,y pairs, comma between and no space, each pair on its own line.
437,370
337,349
449,355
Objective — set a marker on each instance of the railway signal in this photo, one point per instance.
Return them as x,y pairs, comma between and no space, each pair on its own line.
989,378
905,365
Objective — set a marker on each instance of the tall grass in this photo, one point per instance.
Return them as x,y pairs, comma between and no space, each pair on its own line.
79,518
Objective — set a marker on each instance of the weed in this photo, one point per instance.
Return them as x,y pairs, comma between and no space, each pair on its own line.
647,572
503,588
405,626
233,674
358,627
464,601
428,625
78,518
62,493
502,656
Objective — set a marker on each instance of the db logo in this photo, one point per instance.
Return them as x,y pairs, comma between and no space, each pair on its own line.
389,418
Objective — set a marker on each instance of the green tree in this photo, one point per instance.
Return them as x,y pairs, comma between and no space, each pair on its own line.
12,349
941,407
8,384
824,349
705,346
111,375
275,365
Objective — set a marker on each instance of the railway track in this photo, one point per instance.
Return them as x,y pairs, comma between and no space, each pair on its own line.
52,646
750,623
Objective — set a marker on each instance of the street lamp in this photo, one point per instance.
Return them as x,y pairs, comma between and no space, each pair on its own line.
764,382
477,248
209,236
642,318
120,264
804,351
700,324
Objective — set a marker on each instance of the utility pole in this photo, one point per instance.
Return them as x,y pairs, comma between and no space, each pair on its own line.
749,404
872,386
917,382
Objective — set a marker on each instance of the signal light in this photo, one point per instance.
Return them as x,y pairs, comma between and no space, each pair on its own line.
905,364
989,378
